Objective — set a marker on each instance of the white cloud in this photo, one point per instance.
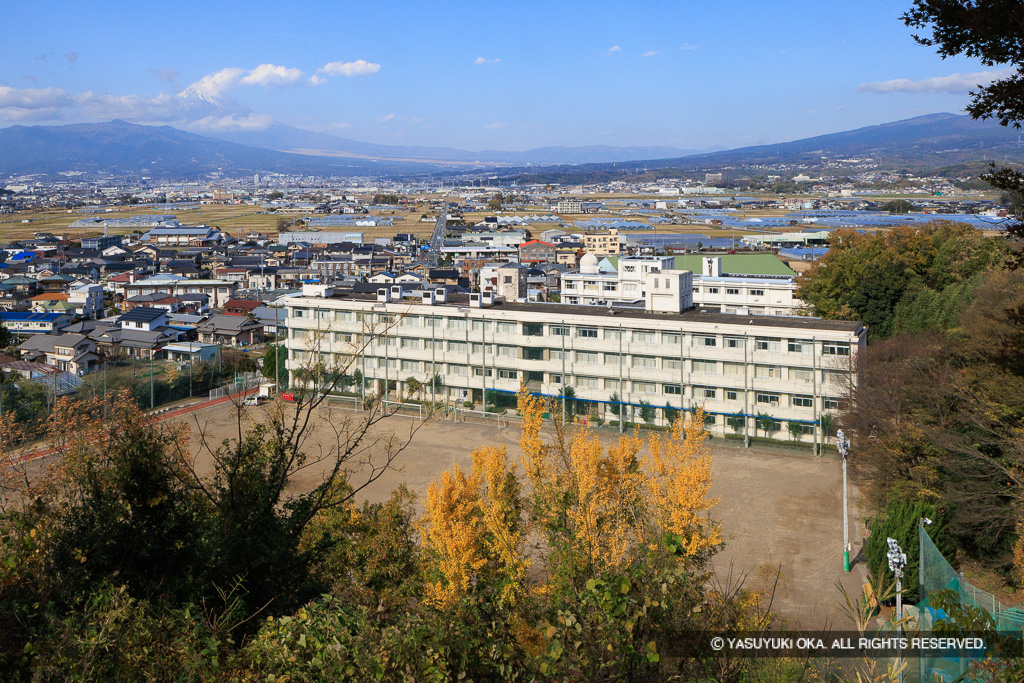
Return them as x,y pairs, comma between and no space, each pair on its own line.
231,122
33,104
687,46
272,74
213,85
360,67
484,60
956,84
340,125
613,49
650,53
496,126
315,80
132,107
387,118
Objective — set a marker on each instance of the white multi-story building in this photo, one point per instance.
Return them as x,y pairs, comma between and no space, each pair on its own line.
569,205
745,295
748,372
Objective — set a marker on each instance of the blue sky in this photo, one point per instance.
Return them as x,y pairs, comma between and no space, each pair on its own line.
481,75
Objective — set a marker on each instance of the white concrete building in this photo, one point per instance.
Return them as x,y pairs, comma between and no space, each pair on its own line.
748,372
744,295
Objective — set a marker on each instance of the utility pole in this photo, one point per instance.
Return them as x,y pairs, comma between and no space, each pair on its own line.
151,391
843,444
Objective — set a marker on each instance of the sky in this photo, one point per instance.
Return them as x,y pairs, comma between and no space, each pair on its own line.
481,75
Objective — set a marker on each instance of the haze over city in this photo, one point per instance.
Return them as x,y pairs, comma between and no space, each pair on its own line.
688,75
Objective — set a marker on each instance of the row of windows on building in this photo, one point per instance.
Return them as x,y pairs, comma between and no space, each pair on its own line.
700,392
640,362
730,291
769,344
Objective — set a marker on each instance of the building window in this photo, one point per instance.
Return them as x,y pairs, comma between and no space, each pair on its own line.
508,374
706,366
586,332
558,354
411,365
555,379
832,403
671,364
734,342
705,392
533,329
800,346
704,340
410,344
673,389
560,330
299,313
802,401
769,371
589,357
458,370
671,338
712,290
457,324
457,347
834,377
613,335
645,387
731,290
587,382
482,372
806,428
801,375
772,344
731,395
835,349
506,328
645,362
643,337
734,368
506,351
767,398
757,292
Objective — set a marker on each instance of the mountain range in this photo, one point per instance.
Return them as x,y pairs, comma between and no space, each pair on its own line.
935,140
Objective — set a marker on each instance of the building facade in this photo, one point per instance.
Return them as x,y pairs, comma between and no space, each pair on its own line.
749,373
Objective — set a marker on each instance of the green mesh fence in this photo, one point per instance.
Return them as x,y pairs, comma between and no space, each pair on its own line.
938,574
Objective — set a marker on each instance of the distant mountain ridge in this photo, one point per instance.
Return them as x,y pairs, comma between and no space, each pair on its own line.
934,140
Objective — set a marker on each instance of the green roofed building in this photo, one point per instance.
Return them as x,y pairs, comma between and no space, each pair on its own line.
756,265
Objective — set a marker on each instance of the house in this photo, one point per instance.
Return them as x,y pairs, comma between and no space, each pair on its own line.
171,304
87,300
272,319
536,251
235,330
26,323
143,318
190,352
74,353
240,306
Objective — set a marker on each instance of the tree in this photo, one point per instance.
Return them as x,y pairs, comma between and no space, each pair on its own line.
796,430
982,30
494,203
766,423
6,338
275,195
646,412
413,386
275,356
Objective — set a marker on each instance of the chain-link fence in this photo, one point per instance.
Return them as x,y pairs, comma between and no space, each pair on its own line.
937,574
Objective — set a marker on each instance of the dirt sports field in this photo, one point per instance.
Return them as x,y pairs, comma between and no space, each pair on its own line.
776,508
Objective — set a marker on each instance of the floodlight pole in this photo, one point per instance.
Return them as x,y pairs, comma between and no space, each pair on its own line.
843,445
897,561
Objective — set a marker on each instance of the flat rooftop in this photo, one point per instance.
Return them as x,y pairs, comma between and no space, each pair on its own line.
557,311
